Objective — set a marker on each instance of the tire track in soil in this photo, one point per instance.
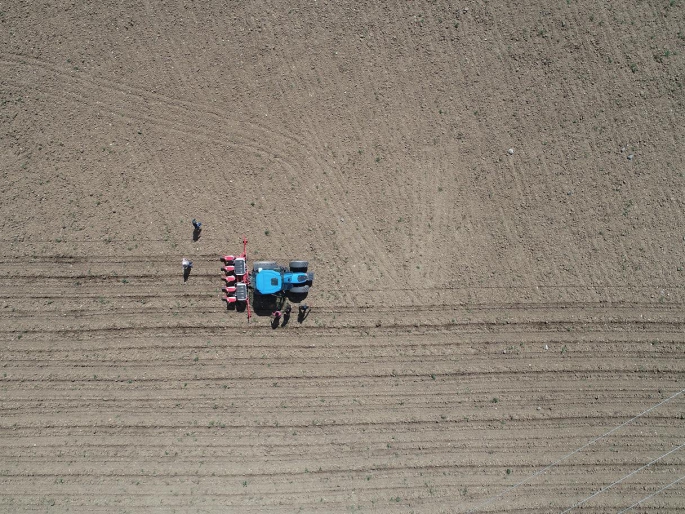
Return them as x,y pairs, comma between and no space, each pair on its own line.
371,243
489,343
169,44
470,75
359,324
362,244
208,134
467,214
595,153
198,134
181,111
425,208
172,126
522,192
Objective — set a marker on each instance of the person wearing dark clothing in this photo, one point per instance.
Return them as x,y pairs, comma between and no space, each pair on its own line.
302,312
286,315
197,229
187,266
275,319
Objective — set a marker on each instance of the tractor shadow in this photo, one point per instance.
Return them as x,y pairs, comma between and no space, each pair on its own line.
265,305
296,297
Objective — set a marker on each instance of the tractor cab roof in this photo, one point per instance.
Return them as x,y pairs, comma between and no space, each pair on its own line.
268,281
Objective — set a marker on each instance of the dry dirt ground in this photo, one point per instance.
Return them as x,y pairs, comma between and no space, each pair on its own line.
485,325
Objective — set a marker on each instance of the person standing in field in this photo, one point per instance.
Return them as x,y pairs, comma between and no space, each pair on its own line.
275,319
187,266
286,314
302,312
197,229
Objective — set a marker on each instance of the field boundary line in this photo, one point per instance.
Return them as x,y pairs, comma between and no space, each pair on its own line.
653,494
622,479
568,455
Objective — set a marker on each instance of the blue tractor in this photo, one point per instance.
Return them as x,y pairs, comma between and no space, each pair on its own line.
268,278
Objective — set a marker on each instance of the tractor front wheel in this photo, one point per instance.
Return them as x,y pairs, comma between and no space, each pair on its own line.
299,266
264,265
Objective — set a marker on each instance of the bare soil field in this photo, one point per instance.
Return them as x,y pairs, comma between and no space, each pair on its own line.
491,195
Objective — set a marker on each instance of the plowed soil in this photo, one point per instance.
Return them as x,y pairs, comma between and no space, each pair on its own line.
490,195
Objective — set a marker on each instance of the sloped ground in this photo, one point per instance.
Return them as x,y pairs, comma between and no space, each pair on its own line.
478,315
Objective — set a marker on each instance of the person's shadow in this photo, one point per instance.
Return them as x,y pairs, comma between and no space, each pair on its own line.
301,316
197,232
186,273
286,319
275,322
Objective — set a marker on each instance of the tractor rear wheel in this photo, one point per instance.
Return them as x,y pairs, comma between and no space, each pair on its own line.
299,266
264,265
299,290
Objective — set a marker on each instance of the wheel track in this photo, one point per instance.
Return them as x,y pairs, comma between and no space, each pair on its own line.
360,240
182,128
362,246
182,112
644,326
360,327
167,37
207,135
